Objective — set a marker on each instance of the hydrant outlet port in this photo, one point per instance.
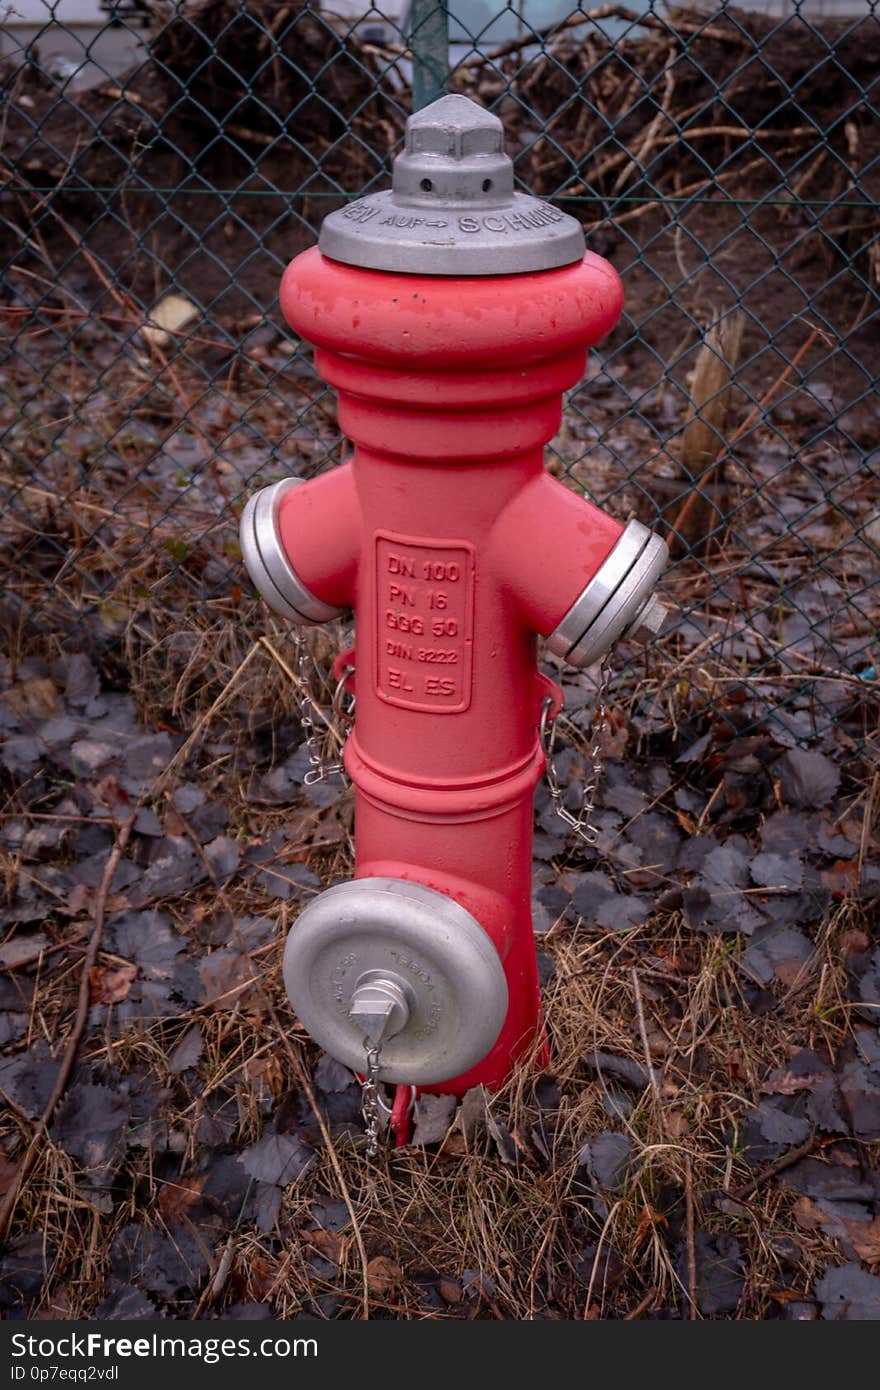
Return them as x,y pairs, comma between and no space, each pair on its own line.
267,563
618,599
399,965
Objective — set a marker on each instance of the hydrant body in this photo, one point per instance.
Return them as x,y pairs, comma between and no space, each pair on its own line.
456,550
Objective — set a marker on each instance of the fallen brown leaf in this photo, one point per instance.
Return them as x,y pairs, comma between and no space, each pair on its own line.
173,822
110,983
855,942
79,899
36,698
865,1237
328,1243
176,1198
842,879
677,1125
788,1084
808,1215
454,1145
383,1274
450,1290
268,1070
792,972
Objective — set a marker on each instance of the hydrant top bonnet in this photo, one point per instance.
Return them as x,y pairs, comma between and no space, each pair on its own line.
452,209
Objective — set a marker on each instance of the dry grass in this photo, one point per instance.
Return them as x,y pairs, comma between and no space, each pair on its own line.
522,1225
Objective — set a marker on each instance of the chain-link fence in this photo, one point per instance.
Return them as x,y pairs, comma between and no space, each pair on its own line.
163,161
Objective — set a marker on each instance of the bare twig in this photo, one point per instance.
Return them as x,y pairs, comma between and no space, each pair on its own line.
647,21
217,1282
689,1235
643,1034
740,1194
641,1307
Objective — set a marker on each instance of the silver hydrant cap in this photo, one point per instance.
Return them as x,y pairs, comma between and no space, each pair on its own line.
451,209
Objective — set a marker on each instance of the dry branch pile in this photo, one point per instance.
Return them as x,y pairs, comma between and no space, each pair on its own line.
683,100
263,71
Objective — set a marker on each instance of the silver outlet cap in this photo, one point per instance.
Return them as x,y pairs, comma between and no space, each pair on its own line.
387,957
451,209
267,564
619,600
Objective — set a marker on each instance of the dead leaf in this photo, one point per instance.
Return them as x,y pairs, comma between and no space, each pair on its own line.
792,973
170,316
809,1215
783,1296
328,1243
173,822
267,1070
455,1145
228,977
176,1198
788,1084
78,899
842,878
614,734
855,943
450,1290
865,1238
110,983
109,793
735,1065
836,1153
36,698
522,1143
383,1274
255,1279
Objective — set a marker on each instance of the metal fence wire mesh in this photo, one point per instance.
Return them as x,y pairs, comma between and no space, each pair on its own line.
162,162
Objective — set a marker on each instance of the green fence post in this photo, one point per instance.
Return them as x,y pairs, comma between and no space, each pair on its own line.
429,41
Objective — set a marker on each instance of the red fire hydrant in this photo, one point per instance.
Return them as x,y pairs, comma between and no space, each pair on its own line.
450,314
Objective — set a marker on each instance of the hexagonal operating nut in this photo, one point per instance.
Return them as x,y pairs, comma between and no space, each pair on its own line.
648,621
453,155
456,127
380,1006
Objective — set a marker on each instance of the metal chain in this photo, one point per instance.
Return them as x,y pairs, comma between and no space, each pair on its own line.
582,822
370,1100
321,767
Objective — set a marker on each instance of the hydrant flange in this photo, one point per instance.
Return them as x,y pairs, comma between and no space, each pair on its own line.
268,565
432,961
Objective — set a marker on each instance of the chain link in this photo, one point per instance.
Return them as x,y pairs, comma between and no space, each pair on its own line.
370,1100
582,822
321,767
